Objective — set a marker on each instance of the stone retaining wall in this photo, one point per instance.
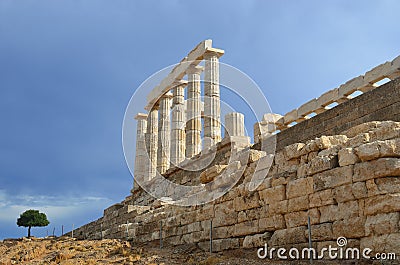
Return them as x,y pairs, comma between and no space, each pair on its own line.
349,185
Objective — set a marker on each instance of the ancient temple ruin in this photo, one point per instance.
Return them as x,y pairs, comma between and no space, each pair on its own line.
337,165
168,137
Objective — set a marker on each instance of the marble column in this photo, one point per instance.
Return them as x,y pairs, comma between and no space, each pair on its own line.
152,142
164,134
235,131
141,156
212,109
234,124
178,125
193,122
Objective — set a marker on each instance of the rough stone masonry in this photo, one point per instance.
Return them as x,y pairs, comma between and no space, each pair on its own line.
341,168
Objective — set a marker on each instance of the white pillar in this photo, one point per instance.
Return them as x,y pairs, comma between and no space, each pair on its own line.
164,134
178,125
212,108
152,141
193,123
234,124
141,155
235,131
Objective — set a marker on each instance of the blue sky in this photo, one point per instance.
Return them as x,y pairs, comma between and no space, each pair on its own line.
69,68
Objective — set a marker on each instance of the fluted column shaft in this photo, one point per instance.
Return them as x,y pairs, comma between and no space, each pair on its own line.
193,123
234,124
141,156
212,108
152,141
178,125
164,134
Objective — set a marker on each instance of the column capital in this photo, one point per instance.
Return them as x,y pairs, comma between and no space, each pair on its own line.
213,52
167,95
155,106
194,69
140,116
180,83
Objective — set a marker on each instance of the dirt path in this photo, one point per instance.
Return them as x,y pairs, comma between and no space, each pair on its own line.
112,251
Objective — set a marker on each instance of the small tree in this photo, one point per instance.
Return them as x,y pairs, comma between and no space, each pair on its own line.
31,218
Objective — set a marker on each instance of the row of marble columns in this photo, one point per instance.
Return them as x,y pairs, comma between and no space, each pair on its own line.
169,141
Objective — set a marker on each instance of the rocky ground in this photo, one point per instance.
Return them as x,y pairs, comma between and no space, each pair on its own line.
112,251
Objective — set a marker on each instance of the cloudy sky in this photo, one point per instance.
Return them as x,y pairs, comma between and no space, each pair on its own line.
68,69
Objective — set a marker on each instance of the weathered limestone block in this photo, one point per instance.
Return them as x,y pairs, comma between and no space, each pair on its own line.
200,236
383,167
321,163
299,187
211,173
206,212
246,202
295,219
378,73
386,203
349,228
358,140
257,240
279,180
290,117
388,185
370,151
348,210
333,178
225,244
307,108
193,227
298,204
321,198
329,213
321,232
333,212
359,190
188,217
225,214
382,224
382,244
330,152
328,97
288,236
293,151
315,215
280,207
302,171
385,131
289,166
277,193
372,188
352,86
325,142
251,214
347,157
272,223
255,155
246,228
223,232
343,193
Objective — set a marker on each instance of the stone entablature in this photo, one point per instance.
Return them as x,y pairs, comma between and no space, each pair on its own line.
273,123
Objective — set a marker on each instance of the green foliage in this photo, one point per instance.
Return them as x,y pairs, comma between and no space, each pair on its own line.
31,218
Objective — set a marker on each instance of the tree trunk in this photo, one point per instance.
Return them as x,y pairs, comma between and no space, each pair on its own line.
29,231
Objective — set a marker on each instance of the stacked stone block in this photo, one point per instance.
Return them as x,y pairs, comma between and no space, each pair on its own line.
348,184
